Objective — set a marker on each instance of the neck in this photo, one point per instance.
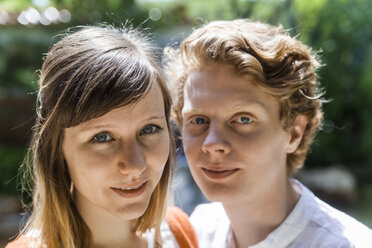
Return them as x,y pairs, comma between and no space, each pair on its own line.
108,230
253,219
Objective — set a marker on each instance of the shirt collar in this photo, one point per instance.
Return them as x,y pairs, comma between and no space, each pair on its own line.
292,226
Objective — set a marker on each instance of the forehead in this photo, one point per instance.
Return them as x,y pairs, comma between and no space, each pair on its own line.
151,104
220,86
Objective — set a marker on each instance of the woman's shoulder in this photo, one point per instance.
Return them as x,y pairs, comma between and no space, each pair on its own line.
176,231
180,225
22,241
26,240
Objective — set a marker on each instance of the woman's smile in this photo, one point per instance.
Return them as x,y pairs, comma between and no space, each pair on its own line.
131,192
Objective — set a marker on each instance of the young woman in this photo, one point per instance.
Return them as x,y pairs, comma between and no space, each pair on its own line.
101,152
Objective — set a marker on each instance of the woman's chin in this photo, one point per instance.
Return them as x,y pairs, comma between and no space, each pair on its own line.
130,212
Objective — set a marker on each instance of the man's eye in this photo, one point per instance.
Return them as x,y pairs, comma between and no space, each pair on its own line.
150,129
199,121
102,138
243,120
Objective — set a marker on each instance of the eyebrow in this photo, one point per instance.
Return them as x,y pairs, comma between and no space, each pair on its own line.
155,117
243,104
239,105
88,128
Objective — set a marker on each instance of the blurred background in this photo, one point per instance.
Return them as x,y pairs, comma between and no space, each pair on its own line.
339,166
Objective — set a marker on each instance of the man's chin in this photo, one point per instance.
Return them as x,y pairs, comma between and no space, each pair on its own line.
218,193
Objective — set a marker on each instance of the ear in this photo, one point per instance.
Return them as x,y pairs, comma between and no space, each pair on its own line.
296,132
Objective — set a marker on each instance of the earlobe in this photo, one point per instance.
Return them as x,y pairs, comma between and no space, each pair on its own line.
296,132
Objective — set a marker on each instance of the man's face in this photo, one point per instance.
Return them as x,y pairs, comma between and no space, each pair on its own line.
232,136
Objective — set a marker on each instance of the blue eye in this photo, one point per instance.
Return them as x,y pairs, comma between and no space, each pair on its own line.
243,120
150,129
199,121
102,138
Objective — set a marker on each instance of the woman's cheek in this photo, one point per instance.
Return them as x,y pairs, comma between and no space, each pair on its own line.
160,151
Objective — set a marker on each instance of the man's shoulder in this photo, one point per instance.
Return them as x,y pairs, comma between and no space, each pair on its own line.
207,207
330,224
339,235
211,224
208,214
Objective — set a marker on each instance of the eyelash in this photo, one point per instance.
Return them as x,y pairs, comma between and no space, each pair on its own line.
193,120
110,138
250,120
157,129
95,140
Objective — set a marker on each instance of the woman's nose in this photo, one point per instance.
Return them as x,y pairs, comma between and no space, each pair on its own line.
132,160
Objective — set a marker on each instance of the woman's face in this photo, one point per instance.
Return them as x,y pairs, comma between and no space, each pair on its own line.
115,161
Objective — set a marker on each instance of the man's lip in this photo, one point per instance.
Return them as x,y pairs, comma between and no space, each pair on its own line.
219,173
219,168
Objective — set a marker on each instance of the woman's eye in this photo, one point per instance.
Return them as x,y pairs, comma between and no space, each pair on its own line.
102,138
243,120
150,129
199,121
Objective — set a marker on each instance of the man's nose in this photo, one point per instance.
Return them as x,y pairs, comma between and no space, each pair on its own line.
215,142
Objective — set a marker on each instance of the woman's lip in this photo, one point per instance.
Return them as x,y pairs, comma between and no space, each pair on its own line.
219,173
132,191
132,185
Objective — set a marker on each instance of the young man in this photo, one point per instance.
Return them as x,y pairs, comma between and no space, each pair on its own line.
248,104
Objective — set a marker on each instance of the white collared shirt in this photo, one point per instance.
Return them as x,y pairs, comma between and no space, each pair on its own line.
311,224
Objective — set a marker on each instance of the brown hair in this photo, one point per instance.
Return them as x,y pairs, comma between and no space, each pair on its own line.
85,75
283,66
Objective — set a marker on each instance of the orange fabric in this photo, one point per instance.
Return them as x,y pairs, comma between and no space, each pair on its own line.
20,242
181,227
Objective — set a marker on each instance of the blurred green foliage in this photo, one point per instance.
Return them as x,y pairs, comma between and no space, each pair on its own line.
338,30
342,30
11,157
21,52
